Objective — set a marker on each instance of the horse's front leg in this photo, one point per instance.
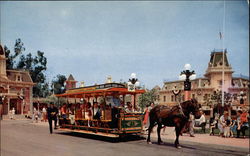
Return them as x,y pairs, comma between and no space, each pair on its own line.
178,129
177,133
159,134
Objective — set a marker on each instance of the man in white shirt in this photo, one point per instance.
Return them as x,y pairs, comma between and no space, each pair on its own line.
203,122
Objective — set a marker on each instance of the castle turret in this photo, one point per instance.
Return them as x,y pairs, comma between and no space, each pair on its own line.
70,82
215,68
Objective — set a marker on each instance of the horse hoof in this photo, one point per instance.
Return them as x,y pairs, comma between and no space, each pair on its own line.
160,143
149,142
178,146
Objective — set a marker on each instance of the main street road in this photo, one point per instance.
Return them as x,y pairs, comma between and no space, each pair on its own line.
23,138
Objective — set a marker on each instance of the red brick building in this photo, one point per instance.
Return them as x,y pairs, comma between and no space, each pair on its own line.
15,89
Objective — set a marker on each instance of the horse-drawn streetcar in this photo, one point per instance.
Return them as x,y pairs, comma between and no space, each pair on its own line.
107,109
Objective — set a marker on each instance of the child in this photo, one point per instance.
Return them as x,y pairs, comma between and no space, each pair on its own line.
232,128
227,130
212,125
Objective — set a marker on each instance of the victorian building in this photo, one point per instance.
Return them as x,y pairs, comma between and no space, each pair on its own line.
204,87
15,89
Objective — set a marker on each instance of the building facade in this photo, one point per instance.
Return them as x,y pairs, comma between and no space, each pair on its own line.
204,88
15,89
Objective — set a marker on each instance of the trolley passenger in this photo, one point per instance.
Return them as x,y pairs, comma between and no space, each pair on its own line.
88,113
97,111
129,108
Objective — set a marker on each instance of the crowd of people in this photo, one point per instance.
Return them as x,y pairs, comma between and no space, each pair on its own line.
226,125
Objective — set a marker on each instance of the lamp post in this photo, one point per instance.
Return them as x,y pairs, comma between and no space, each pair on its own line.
187,75
132,83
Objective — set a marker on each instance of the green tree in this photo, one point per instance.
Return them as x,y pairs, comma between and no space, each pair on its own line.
147,98
36,66
18,49
58,86
57,101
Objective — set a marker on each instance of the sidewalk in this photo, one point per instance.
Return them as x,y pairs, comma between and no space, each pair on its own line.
201,138
169,134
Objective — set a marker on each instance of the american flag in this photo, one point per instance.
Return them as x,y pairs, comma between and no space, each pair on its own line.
220,35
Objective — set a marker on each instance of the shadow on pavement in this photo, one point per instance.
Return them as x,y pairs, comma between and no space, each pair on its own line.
202,149
103,138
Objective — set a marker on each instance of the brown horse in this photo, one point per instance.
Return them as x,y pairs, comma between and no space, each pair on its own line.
176,116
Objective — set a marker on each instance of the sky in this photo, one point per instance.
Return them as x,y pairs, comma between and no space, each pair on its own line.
92,40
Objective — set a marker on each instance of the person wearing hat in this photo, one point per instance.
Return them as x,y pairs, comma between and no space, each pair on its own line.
52,115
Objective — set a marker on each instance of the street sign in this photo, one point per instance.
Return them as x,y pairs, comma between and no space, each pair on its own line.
131,87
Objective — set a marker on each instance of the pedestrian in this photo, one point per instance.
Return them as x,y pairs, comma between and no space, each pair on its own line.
12,113
242,123
222,122
202,122
233,127
191,125
52,115
36,115
146,117
227,126
44,114
212,125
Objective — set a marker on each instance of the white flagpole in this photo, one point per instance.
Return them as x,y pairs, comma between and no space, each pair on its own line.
223,56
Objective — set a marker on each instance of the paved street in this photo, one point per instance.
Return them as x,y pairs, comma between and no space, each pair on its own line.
23,138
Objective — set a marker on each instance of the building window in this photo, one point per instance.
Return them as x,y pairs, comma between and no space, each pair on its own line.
172,98
164,98
18,78
220,82
205,97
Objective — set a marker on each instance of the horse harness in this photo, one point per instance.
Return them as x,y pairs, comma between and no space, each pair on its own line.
162,107
181,110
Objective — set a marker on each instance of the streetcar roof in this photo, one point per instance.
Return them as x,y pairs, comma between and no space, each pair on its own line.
107,89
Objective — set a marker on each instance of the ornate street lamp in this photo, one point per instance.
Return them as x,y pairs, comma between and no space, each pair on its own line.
133,78
133,82
187,75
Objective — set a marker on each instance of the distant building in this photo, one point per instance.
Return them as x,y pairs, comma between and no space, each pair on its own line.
204,87
15,89
70,82
157,93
